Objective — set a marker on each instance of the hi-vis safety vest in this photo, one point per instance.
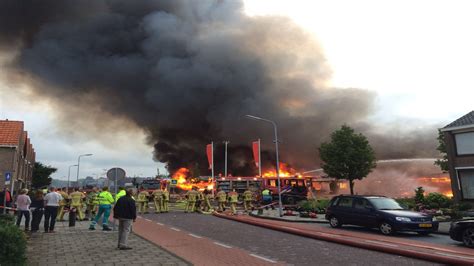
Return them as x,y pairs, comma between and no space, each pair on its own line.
120,194
105,198
266,192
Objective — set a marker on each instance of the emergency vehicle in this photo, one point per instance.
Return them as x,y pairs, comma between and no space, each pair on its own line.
293,189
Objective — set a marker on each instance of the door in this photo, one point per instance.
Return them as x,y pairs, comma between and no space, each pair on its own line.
343,210
364,213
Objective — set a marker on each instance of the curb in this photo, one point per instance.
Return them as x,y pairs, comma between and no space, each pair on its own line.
317,222
430,256
283,220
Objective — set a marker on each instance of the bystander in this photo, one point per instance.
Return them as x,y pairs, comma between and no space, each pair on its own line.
125,211
23,202
37,209
51,200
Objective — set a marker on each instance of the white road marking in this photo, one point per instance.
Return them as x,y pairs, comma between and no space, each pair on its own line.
380,243
262,258
148,220
176,229
159,224
454,256
139,216
222,245
196,236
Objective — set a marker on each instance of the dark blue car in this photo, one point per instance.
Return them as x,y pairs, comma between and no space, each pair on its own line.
378,212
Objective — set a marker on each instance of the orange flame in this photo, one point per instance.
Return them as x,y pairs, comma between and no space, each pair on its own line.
285,171
185,182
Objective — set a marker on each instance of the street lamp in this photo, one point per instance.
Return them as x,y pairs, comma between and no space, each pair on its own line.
280,205
69,175
79,163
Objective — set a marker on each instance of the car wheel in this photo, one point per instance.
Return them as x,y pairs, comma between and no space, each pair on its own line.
386,228
334,222
468,237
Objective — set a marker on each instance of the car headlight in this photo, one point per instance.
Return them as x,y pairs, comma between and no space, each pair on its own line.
403,219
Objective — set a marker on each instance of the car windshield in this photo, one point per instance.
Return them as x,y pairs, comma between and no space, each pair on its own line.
385,204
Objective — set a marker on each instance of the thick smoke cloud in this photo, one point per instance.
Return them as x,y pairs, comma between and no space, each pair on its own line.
187,72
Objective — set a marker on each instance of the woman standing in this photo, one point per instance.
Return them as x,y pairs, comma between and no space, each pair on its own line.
37,207
23,202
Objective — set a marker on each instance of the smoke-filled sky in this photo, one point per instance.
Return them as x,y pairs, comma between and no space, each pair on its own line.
141,82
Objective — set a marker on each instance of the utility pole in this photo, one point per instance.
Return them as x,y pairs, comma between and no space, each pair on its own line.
225,163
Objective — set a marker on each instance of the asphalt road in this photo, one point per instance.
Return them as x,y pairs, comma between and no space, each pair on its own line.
432,238
292,249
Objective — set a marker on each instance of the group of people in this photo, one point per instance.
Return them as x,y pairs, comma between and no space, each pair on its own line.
42,204
52,204
160,197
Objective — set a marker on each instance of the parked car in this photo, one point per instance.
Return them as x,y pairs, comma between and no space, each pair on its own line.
463,231
378,212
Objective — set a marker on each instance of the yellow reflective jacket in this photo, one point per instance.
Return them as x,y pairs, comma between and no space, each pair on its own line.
120,194
221,196
248,195
105,198
76,198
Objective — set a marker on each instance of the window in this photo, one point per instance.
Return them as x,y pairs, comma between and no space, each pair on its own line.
465,143
467,183
361,203
345,202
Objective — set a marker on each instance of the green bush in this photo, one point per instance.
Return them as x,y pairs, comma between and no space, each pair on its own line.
437,200
12,244
7,218
318,206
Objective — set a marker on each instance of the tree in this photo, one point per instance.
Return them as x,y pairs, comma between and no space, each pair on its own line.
41,175
443,162
348,156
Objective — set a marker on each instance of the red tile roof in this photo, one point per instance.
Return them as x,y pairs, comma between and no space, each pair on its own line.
11,132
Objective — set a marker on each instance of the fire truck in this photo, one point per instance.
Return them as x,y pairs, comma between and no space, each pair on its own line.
293,189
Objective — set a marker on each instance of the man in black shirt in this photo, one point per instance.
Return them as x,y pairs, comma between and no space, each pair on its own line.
125,211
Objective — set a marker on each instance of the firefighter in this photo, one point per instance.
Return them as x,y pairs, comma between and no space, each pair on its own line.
91,203
199,201
191,197
62,204
143,201
248,197
158,200
166,199
76,202
207,200
221,199
233,199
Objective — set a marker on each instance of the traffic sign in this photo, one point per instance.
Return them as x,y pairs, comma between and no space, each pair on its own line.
174,182
8,178
118,173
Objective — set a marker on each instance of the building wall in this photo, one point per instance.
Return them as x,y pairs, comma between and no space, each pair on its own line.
7,163
456,161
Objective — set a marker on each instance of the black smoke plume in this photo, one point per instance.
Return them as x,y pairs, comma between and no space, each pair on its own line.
187,72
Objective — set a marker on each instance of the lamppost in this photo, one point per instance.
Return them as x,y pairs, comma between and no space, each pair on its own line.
280,205
69,175
225,155
79,163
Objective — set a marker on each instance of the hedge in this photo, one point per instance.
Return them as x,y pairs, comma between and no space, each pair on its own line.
12,242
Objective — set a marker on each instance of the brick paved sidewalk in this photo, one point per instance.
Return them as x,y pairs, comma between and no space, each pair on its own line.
79,246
